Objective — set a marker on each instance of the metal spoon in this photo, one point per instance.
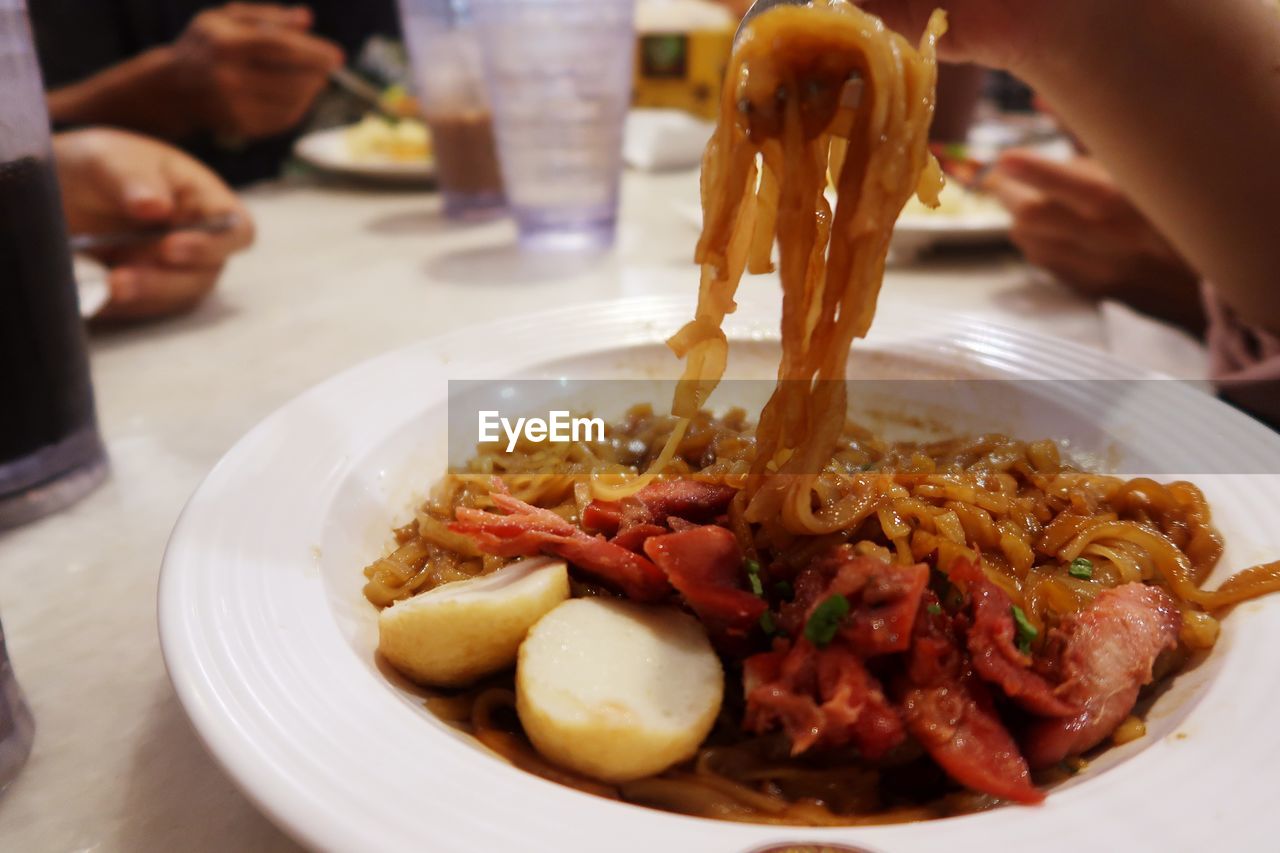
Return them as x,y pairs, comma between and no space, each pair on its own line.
763,6
219,224
361,88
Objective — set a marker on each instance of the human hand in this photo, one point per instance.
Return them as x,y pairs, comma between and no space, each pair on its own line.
117,181
994,33
1070,219
250,70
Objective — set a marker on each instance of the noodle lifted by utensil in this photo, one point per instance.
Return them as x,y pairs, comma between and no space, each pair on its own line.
810,92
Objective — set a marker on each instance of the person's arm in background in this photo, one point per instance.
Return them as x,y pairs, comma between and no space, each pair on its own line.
113,181
1179,98
242,70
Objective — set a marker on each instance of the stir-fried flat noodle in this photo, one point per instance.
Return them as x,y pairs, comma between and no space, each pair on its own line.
804,481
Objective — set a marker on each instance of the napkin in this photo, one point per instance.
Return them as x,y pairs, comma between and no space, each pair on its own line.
91,282
1144,341
657,140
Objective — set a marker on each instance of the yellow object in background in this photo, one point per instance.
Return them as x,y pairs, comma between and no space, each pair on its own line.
682,52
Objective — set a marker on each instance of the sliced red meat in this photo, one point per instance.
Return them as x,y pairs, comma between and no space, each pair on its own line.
520,518
691,500
855,705
950,712
527,530
1108,650
633,538
995,656
884,599
820,698
632,574
603,516
779,687
881,622
704,564
809,587
508,535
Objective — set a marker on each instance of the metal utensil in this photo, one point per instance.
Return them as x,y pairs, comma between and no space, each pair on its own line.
764,6
354,84
219,224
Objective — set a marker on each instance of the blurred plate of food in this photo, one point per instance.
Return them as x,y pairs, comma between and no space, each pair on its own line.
373,148
965,215
389,145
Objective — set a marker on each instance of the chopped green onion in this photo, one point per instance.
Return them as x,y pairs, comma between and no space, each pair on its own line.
766,623
1026,631
783,589
1081,568
825,620
934,608
753,577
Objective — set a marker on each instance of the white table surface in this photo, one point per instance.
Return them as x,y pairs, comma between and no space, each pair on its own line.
338,274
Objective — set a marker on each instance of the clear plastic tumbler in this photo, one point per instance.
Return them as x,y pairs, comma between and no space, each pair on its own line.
50,452
449,83
560,75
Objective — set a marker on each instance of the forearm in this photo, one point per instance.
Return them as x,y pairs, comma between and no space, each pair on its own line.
140,94
1181,100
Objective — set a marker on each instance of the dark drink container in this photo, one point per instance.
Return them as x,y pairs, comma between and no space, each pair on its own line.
50,450
449,83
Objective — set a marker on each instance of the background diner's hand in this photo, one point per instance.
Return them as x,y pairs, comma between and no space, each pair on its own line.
116,181
254,70
1071,219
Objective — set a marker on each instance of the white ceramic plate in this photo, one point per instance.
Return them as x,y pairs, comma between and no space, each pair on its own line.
327,150
913,234
271,646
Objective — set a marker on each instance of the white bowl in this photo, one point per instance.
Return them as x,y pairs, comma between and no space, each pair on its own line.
270,643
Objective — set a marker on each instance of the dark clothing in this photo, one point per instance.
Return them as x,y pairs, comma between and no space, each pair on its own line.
78,38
